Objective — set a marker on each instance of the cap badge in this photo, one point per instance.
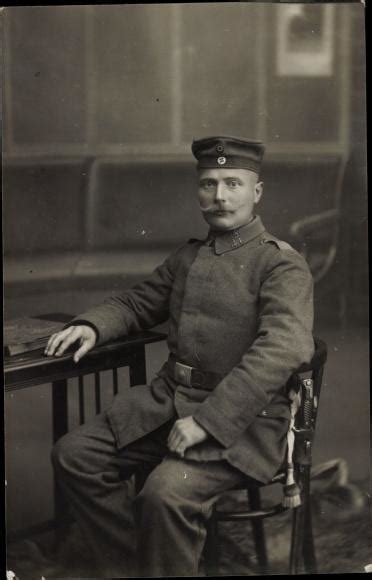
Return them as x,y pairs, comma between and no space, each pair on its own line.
219,148
221,160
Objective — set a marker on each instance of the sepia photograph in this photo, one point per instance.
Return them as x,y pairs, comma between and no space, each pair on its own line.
185,282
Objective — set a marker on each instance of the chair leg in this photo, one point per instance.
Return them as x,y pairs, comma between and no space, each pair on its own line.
211,550
258,531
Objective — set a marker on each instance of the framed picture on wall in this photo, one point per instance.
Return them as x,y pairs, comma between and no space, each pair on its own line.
305,40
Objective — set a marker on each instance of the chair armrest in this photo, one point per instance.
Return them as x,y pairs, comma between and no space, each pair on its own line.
317,226
310,224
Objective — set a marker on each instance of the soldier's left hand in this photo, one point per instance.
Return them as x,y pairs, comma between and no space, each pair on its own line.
184,434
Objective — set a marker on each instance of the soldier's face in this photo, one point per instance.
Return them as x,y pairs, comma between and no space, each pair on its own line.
227,196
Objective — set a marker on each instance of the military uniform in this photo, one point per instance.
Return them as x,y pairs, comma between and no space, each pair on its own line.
240,312
240,308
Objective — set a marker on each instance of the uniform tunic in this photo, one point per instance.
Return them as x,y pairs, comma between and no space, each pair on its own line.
238,304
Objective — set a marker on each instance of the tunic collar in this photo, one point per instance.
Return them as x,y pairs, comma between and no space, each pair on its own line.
233,239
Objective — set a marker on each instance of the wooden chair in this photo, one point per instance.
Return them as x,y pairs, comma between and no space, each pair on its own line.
307,381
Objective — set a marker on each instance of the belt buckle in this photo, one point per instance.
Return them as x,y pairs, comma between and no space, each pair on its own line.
182,374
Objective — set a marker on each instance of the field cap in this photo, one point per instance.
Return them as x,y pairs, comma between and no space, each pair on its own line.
228,152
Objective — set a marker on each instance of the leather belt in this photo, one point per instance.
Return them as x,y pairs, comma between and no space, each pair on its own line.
191,376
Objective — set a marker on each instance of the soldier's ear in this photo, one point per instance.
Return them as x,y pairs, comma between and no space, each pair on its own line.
258,191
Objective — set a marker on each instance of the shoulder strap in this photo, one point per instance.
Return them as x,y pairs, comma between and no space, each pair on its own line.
280,244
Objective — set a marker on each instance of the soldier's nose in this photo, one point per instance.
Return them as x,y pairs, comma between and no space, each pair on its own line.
220,192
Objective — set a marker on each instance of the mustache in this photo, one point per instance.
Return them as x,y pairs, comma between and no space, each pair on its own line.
217,208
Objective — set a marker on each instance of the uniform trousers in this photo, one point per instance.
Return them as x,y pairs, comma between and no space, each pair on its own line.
164,524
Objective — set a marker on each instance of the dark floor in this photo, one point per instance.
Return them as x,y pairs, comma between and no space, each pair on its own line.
341,525
342,534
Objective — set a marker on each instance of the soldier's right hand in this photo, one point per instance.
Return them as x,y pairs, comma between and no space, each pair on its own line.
58,343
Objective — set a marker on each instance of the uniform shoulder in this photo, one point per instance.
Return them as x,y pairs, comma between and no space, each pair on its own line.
280,244
280,250
184,249
182,253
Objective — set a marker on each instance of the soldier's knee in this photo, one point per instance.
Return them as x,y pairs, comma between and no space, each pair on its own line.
65,453
157,495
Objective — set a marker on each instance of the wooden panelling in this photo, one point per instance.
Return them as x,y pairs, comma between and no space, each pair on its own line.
132,65
46,74
218,44
150,77
43,205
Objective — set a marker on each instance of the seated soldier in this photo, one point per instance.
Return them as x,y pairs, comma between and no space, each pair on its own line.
239,308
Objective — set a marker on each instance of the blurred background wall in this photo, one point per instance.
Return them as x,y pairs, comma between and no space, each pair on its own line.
100,106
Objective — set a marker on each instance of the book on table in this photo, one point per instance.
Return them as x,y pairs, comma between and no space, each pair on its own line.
31,333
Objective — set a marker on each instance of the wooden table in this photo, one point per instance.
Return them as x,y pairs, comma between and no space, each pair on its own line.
34,368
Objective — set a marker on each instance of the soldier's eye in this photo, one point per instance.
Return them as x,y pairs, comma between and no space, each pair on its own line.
208,185
233,183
